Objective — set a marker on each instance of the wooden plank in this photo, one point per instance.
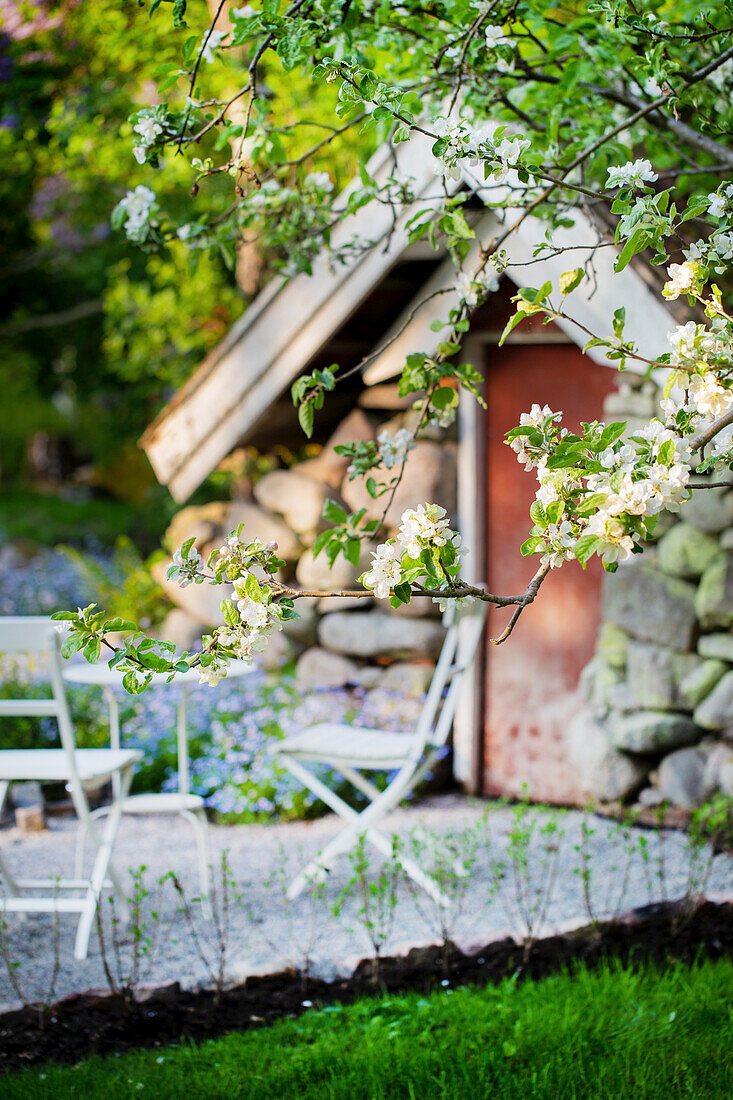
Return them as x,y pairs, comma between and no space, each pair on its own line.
272,344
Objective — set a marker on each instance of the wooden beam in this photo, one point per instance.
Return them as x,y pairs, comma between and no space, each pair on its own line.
285,327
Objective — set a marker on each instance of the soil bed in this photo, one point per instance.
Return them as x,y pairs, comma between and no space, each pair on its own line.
94,1022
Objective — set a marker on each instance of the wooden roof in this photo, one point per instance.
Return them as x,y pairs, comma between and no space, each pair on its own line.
291,321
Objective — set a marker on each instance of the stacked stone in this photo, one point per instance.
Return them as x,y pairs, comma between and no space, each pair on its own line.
336,641
659,691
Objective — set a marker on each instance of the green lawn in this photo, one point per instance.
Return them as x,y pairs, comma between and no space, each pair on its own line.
47,519
613,1034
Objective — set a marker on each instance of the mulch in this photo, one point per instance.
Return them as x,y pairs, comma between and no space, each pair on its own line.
103,1023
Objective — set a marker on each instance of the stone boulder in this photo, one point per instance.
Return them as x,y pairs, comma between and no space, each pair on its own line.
297,498
685,551
725,778
715,712
681,777
316,573
606,773
709,509
319,668
212,522
719,646
279,652
343,603
714,598
718,767
206,522
303,629
180,628
199,601
419,607
652,731
357,427
407,678
655,673
700,682
597,684
429,478
651,605
375,633
260,524
612,645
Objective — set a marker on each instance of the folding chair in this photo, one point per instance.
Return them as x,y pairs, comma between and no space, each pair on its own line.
81,769
351,750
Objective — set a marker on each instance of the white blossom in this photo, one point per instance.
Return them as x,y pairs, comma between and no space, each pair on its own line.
137,206
149,129
245,12
426,523
615,544
189,567
393,448
320,181
495,36
635,173
509,150
682,278
708,396
208,45
386,569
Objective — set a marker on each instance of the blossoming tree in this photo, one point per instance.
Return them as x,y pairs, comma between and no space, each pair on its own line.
617,107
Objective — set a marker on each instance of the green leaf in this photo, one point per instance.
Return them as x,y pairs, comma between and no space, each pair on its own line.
334,513
538,514
92,650
585,547
531,546
252,588
118,625
72,645
186,548
231,618
352,551
320,541
306,417
569,280
512,324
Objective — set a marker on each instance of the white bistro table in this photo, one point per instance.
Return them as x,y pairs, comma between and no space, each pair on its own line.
182,802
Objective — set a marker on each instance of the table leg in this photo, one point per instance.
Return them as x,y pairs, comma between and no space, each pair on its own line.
114,732
183,779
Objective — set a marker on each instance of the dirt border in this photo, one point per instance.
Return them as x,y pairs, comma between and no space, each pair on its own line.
104,1023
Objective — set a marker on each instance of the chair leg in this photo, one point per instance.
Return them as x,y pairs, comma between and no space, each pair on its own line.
11,886
102,867
198,820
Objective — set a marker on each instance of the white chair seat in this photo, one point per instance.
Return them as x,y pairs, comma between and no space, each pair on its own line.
161,802
95,766
361,748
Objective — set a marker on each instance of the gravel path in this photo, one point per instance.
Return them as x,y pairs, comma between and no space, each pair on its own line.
266,932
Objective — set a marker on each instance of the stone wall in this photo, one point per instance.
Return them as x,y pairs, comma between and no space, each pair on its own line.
658,718
336,641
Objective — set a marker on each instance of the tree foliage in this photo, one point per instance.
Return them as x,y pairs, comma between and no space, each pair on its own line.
616,108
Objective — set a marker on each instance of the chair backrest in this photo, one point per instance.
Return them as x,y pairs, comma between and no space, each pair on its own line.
39,635
465,625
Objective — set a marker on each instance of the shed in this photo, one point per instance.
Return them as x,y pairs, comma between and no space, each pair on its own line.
512,724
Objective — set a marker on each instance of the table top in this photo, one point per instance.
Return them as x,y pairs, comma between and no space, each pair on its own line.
104,676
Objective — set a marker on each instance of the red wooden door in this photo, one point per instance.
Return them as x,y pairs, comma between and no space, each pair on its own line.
532,677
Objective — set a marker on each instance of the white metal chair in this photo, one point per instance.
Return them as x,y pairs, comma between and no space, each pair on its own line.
351,750
81,770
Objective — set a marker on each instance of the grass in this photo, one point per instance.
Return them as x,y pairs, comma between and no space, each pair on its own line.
607,1035
47,519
